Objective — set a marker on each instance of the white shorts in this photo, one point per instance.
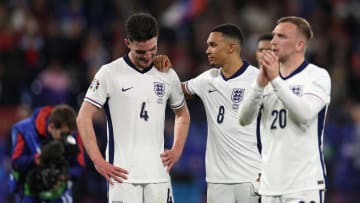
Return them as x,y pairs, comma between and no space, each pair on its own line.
310,196
140,193
231,193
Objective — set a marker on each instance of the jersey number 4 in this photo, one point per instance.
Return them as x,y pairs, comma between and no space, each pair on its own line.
143,113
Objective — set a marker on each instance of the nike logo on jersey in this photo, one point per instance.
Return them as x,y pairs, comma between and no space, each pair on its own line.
213,90
126,89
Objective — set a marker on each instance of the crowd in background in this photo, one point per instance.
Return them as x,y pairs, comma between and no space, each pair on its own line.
50,50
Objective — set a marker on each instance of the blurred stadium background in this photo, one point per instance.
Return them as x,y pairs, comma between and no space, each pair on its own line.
50,50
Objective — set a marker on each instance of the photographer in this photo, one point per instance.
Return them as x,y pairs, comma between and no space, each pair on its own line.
47,155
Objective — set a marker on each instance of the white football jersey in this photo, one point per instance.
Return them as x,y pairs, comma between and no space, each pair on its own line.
231,152
135,104
292,153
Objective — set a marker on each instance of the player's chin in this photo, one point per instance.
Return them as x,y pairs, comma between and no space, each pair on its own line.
144,64
212,64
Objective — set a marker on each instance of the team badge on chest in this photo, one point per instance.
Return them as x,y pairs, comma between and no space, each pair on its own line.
237,94
159,89
297,89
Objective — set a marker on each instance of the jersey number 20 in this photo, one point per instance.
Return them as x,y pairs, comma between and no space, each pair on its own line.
279,119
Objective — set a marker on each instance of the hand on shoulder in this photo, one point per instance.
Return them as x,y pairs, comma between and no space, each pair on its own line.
162,63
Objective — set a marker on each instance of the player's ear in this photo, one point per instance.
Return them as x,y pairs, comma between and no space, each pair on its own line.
232,47
300,45
127,42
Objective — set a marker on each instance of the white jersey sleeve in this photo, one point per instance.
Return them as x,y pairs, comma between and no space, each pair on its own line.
99,89
194,86
176,99
250,107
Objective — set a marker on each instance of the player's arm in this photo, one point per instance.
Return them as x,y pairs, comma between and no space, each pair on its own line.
250,106
301,109
181,128
86,129
185,90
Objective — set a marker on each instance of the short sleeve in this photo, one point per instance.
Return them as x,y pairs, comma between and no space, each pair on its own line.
176,99
98,90
195,85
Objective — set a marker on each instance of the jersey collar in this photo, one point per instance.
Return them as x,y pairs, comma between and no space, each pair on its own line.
238,72
128,61
297,70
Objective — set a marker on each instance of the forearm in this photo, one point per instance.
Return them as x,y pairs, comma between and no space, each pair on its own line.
309,104
250,106
87,133
185,90
181,128
89,139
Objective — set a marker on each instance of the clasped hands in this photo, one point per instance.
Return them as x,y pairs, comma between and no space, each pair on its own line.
269,67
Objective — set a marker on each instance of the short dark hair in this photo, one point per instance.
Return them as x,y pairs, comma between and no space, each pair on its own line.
63,115
141,27
265,36
230,30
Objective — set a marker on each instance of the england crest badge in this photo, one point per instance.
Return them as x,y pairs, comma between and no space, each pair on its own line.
297,89
159,89
237,94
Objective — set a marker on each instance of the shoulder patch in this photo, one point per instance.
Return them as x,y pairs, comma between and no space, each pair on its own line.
94,85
